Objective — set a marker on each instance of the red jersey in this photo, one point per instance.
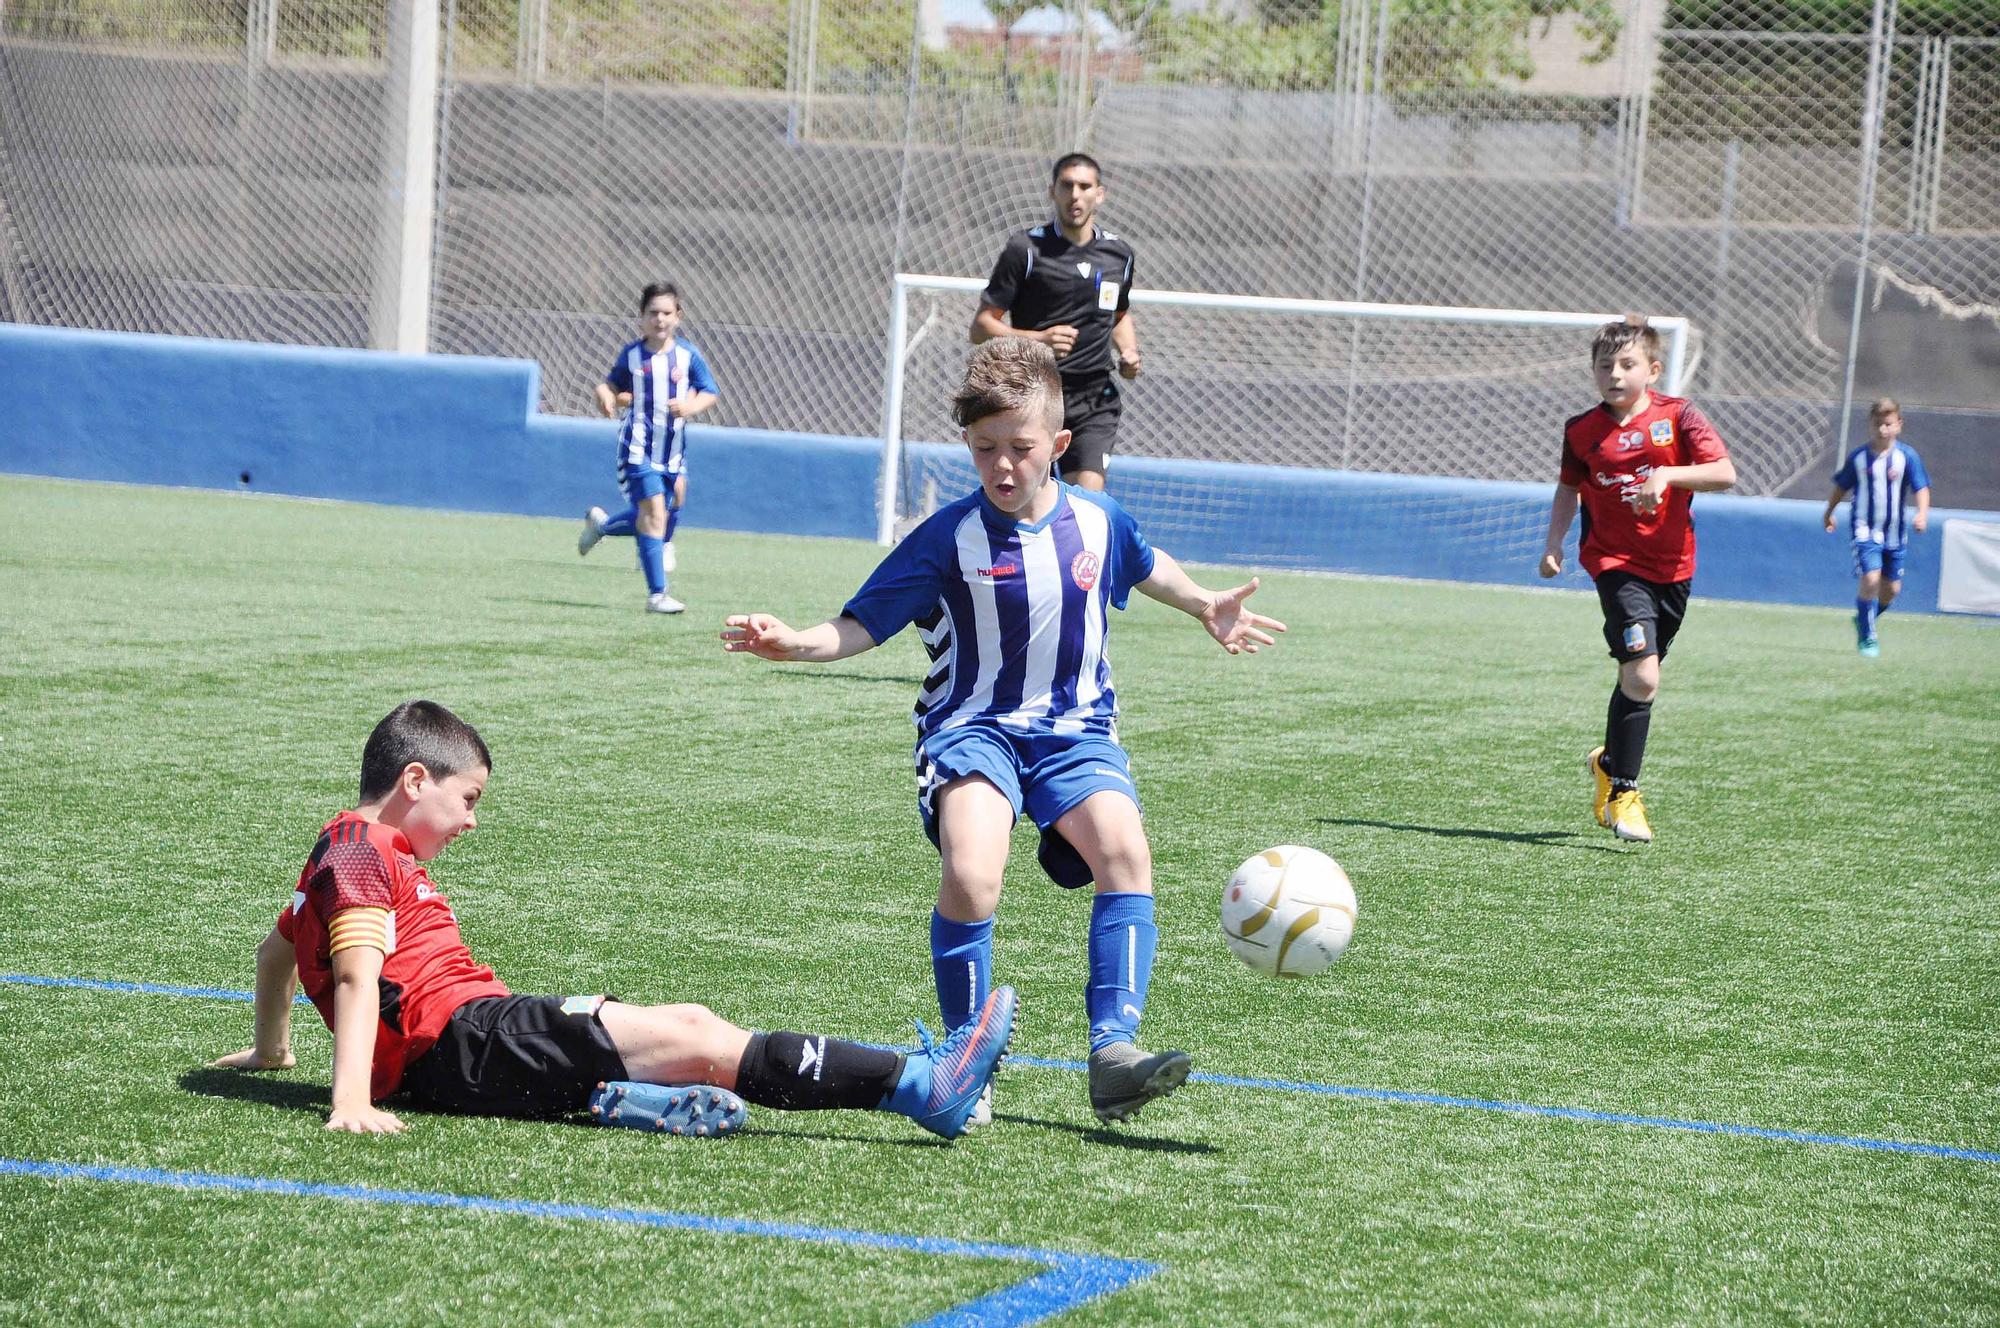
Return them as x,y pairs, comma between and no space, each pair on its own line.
427,972
1605,462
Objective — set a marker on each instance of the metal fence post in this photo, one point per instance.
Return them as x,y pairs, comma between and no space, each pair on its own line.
1881,31
399,310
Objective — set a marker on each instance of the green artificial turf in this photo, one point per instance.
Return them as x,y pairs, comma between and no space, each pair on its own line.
1812,945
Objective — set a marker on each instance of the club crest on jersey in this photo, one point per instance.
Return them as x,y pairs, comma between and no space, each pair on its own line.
1663,432
1083,570
1083,269
1631,440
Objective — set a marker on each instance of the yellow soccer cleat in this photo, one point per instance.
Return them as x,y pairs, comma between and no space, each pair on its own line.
1594,763
1626,815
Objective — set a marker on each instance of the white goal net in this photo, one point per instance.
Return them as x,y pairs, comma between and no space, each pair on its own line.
1281,391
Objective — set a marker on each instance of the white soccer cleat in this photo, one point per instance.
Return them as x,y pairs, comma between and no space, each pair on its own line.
667,560
593,530
664,603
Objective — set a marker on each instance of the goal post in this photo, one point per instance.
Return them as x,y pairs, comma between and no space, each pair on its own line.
1321,385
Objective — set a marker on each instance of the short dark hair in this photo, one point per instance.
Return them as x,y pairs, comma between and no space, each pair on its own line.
1883,408
655,289
1009,373
424,732
1063,163
1628,331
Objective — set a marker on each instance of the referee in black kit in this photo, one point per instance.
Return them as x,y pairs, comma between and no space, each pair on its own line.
1068,283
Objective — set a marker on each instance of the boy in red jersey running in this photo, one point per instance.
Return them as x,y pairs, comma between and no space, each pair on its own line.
378,951
1635,461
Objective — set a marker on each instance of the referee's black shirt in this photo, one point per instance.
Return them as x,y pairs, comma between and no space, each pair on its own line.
1042,280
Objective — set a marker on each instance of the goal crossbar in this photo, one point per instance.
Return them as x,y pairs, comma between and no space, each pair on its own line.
1673,330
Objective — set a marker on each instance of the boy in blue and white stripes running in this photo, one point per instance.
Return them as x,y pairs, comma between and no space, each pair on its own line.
1011,589
657,384
1884,475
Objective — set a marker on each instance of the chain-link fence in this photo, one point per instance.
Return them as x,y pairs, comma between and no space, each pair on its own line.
216,167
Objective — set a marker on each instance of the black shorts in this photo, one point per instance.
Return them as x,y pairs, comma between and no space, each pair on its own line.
536,1056
1090,413
1641,617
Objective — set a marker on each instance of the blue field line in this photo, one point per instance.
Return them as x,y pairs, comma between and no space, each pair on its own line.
1069,1280
1295,1086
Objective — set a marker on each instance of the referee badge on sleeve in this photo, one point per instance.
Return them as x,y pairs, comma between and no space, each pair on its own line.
1107,295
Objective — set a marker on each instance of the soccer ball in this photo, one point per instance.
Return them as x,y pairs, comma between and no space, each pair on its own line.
1288,912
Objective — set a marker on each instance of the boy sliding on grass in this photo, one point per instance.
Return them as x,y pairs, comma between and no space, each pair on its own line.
1011,588
1635,461
378,950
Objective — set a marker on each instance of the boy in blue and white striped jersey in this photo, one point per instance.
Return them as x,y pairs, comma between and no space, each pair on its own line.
1883,474
657,384
1011,588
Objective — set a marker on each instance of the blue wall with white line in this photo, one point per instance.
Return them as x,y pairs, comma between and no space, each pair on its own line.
462,432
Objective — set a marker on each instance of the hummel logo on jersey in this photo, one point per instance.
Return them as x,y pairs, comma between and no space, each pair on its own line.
812,1056
1004,569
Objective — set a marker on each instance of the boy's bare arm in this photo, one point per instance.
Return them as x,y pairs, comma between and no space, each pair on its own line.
277,982
1708,477
1562,511
1235,628
691,405
1832,501
1922,519
607,401
357,1005
766,637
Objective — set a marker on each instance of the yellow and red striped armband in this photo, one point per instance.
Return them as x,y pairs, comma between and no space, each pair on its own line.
372,927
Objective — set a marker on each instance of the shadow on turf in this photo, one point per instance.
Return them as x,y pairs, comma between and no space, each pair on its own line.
1099,1134
1545,838
271,1089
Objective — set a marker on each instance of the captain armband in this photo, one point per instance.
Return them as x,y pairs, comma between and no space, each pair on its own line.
372,927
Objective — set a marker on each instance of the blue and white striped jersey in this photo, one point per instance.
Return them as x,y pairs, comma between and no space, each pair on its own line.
1014,615
1881,483
650,436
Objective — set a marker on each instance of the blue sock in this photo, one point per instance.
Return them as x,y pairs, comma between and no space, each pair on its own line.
1864,616
961,965
650,563
620,523
673,519
1122,940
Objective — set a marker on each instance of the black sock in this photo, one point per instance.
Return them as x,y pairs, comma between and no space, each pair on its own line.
1625,738
803,1072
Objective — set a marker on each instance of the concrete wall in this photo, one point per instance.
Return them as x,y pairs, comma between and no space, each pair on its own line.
452,432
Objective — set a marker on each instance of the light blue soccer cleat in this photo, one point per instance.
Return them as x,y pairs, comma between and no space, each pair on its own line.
693,1110
961,1067
1870,647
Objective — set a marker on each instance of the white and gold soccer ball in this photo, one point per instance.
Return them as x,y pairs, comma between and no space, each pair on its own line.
1288,912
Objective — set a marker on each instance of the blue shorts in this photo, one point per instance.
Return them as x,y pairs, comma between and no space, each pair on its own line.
1042,774
643,482
1872,557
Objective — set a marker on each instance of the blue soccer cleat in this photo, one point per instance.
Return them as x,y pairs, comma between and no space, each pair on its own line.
961,1067
693,1110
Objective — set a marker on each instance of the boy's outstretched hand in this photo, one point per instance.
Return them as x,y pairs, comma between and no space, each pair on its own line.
759,634
252,1059
1235,628
364,1120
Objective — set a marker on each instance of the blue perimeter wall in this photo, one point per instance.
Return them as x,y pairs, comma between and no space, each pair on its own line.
460,432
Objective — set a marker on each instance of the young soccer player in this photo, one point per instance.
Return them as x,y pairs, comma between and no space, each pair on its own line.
1635,461
378,950
658,383
1011,588
1883,474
